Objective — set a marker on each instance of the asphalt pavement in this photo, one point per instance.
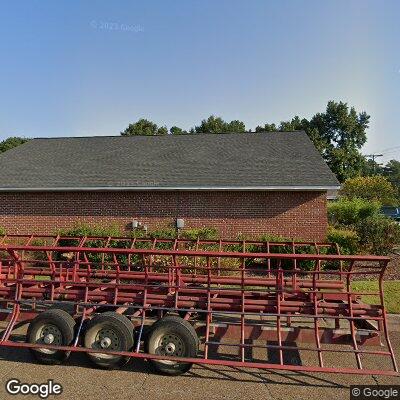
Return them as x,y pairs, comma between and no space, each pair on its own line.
80,380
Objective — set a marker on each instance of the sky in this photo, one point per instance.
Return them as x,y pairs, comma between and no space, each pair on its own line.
84,68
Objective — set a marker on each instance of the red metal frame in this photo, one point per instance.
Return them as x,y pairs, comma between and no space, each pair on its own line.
246,296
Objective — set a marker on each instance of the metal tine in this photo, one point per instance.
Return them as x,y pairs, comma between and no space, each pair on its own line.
219,259
279,287
56,240
2,241
351,321
294,274
132,246
209,310
340,262
29,240
242,317
107,243
268,261
316,320
385,328
146,271
196,258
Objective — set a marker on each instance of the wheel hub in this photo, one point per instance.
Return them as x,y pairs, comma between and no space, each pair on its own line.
171,345
108,339
49,334
170,348
105,342
49,338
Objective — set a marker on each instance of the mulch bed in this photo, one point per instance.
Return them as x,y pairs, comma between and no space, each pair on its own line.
393,269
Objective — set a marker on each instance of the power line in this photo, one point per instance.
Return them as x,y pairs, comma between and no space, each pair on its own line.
390,149
373,156
394,151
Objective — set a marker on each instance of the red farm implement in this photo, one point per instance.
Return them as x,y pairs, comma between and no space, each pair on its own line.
176,302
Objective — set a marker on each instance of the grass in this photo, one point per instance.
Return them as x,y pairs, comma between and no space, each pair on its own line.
42,277
391,291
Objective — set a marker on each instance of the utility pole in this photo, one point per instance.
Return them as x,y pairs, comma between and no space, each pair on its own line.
373,156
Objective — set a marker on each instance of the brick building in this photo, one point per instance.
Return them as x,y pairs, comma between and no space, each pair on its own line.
252,183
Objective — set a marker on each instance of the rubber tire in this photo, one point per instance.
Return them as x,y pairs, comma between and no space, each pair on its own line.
183,329
64,322
122,325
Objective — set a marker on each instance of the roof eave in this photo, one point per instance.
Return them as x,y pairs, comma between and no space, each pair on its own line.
171,188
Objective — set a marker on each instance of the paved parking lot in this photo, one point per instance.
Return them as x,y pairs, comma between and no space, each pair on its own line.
80,380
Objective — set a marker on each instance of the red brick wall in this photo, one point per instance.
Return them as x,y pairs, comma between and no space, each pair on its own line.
290,214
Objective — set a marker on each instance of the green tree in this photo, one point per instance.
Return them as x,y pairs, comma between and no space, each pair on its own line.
236,126
267,128
295,124
342,132
162,130
392,172
175,130
377,188
338,134
11,142
371,167
215,124
144,127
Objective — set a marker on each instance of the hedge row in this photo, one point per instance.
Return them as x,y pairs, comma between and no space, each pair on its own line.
355,225
358,227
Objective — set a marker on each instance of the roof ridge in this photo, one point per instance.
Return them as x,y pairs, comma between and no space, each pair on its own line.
168,135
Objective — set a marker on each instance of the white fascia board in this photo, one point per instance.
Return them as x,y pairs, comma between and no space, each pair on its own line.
177,188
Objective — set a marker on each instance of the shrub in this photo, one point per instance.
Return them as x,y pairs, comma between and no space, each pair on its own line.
351,211
83,229
273,238
347,239
378,234
171,233
283,248
165,233
200,233
2,231
377,188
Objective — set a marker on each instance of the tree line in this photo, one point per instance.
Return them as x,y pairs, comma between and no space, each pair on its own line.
338,133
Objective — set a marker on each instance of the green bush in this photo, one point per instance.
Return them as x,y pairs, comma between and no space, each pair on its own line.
164,233
254,248
105,231
171,233
83,229
2,231
284,248
200,233
273,238
351,211
373,188
347,239
378,234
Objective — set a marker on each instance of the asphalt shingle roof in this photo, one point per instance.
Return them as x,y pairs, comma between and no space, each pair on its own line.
237,161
